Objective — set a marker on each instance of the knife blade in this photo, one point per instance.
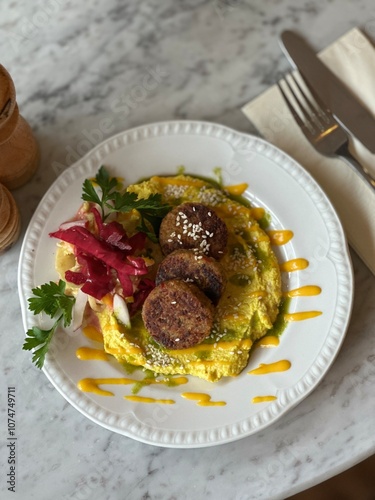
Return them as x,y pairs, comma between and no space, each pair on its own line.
343,104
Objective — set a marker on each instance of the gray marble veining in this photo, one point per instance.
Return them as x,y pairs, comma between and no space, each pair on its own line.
84,71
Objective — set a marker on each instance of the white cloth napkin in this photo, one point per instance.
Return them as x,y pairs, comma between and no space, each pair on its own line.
352,59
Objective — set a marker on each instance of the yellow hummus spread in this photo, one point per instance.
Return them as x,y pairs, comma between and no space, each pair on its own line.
245,312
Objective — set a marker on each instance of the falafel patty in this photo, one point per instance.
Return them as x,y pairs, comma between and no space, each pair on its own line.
193,226
203,271
177,314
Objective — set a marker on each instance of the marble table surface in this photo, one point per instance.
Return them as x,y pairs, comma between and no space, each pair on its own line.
80,71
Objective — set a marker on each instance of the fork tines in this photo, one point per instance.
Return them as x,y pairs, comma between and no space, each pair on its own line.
305,108
317,122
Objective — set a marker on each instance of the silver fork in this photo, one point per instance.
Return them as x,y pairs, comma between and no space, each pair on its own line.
319,126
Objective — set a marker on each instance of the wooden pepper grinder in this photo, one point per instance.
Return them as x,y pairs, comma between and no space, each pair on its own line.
19,154
19,157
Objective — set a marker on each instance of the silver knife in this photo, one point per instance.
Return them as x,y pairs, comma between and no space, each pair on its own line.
351,113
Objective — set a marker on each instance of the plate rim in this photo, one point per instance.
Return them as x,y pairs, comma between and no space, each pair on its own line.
275,410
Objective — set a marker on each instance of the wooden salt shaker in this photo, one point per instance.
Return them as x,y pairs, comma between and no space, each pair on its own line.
19,155
10,223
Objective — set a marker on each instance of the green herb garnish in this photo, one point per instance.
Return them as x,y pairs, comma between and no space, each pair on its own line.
151,209
49,298
107,185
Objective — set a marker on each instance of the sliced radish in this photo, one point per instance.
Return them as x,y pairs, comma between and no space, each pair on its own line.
73,223
79,309
120,310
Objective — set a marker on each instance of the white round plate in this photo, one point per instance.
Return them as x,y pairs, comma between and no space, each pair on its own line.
294,201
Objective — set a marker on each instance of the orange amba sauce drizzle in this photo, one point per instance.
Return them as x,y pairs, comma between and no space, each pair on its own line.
304,291
89,353
92,333
92,384
268,341
263,399
143,399
278,238
278,366
202,399
294,265
301,315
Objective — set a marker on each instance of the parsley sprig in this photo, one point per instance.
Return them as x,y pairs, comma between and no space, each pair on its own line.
151,209
107,185
49,298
